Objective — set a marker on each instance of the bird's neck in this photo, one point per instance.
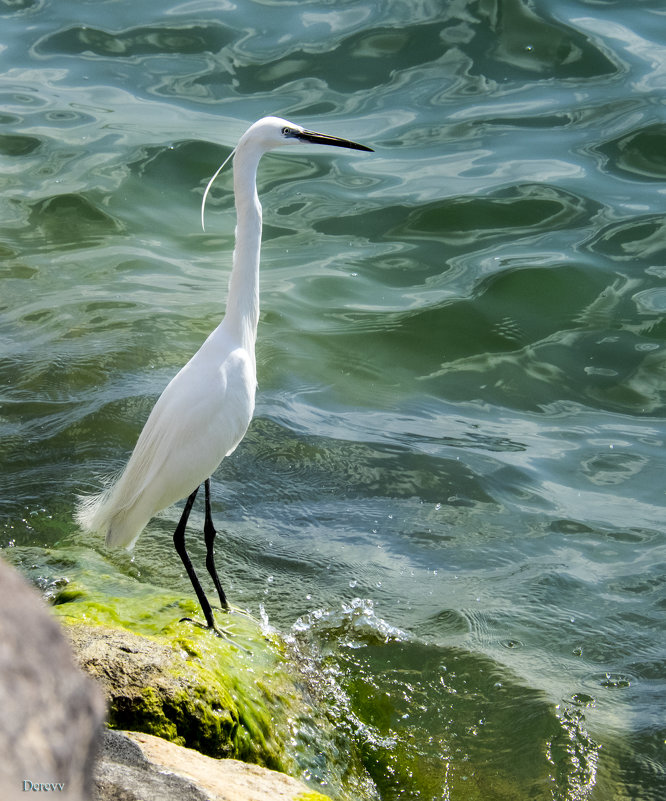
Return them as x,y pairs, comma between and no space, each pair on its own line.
242,315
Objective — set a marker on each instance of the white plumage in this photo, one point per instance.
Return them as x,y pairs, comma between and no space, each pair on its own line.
199,419
205,410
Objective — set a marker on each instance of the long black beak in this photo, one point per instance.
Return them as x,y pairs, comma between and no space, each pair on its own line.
324,139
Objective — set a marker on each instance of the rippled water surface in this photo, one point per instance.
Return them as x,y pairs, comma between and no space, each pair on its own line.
453,489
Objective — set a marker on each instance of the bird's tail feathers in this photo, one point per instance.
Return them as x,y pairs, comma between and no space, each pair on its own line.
106,514
121,510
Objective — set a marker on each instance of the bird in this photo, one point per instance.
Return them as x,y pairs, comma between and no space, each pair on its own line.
205,410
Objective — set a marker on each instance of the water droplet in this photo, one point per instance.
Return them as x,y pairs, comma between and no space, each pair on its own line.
615,681
582,699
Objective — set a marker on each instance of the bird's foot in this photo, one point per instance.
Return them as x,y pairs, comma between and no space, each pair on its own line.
225,634
221,632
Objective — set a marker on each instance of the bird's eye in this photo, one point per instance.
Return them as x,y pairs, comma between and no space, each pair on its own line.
288,131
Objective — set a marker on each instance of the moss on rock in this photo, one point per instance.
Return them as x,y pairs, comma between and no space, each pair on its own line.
190,688
242,696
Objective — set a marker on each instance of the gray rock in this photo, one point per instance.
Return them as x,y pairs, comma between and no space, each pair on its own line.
124,774
51,713
141,767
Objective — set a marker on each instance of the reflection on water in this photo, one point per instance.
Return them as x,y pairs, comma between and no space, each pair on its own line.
452,494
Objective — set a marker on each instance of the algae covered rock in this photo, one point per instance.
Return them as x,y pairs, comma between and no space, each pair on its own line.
163,688
223,697
354,706
244,696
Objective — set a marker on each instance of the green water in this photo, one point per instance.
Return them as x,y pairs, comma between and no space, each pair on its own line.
453,488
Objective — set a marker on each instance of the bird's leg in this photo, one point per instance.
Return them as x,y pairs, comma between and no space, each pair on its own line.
209,535
179,544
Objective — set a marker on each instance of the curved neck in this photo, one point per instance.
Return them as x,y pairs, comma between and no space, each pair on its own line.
242,315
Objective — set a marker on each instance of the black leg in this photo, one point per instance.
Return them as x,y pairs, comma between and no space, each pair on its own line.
209,535
179,544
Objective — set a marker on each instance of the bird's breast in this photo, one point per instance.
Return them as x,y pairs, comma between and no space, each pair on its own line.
210,405
238,383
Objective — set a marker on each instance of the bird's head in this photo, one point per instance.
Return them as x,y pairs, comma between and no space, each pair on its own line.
272,132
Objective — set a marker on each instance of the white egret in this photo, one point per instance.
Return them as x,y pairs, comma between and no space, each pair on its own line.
204,412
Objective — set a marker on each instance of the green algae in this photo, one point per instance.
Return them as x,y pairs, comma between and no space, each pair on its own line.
224,698
241,696
348,721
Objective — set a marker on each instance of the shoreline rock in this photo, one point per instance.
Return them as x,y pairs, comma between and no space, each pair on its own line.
244,696
142,767
166,690
251,695
51,713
